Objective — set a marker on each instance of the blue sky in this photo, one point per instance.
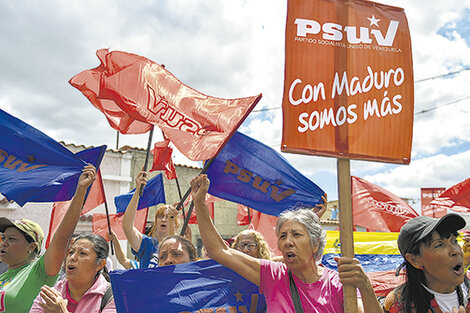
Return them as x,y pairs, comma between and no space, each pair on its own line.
229,49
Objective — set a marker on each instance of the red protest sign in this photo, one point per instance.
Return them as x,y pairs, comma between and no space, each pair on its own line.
348,89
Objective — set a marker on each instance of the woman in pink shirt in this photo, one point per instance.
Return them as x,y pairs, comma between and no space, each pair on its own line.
83,288
301,241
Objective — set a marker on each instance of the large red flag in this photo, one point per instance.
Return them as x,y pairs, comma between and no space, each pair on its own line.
162,159
456,198
88,82
100,223
376,208
95,198
197,124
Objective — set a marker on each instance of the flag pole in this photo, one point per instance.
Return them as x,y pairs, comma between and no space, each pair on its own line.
177,181
147,156
186,195
346,226
181,197
106,209
117,139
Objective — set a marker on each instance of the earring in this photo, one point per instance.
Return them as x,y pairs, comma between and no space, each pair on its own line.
421,268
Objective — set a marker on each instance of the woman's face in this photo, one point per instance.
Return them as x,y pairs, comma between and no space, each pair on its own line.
80,263
443,263
162,222
172,252
248,245
295,246
14,248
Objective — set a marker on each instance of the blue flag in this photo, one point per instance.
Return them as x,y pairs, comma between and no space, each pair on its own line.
251,173
34,167
186,287
154,193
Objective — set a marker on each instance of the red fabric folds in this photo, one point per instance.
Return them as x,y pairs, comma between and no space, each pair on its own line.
162,160
376,208
197,124
88,82
95,198
456,198
100,224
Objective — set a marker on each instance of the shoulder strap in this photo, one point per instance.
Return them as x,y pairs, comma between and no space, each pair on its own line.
108,295
295,295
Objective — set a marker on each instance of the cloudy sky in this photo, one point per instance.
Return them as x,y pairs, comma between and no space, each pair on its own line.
230,49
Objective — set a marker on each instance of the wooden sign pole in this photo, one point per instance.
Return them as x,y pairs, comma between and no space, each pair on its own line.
346,227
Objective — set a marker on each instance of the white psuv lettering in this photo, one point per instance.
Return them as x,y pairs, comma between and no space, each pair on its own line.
333,31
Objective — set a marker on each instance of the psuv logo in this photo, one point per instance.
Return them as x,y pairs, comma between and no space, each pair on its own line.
257,182
353,34
12,162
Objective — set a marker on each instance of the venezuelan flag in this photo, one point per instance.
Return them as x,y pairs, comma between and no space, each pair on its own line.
378,254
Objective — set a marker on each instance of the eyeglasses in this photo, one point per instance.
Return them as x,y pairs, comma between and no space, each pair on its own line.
249,245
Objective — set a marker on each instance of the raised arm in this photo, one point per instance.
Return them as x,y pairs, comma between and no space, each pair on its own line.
120,255
54,256
216,248
133,234
351,273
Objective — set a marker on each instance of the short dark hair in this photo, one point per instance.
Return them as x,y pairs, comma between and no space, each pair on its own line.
188,245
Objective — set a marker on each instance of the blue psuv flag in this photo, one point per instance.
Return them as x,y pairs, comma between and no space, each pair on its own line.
251,173
154,193
35,167
186,287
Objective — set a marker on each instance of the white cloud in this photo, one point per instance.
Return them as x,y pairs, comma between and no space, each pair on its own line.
226,49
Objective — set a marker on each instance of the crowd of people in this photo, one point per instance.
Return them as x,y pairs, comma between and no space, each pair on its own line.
434,261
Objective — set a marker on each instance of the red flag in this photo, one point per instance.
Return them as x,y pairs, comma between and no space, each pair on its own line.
428,209
456,198
193,218
88,82
162,159
197,124
244,216
100,223
95,198
264,224
210,199
376,208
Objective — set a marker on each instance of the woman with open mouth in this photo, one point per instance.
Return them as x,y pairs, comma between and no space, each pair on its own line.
435,275
21,246
165,224
84,287
301,240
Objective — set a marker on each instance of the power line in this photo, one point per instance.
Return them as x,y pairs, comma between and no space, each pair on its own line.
442,105
443,75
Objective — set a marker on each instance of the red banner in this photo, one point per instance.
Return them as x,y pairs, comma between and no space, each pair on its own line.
100,223
428,209
456,198
378,209
197,124
95,198
348,88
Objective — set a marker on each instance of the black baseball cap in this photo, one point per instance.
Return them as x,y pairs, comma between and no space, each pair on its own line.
419,227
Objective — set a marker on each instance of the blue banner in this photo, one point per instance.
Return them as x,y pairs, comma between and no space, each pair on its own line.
154,193
251,173
34,167
187,287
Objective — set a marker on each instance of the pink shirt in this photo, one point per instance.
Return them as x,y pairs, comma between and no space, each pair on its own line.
89,303
325,295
